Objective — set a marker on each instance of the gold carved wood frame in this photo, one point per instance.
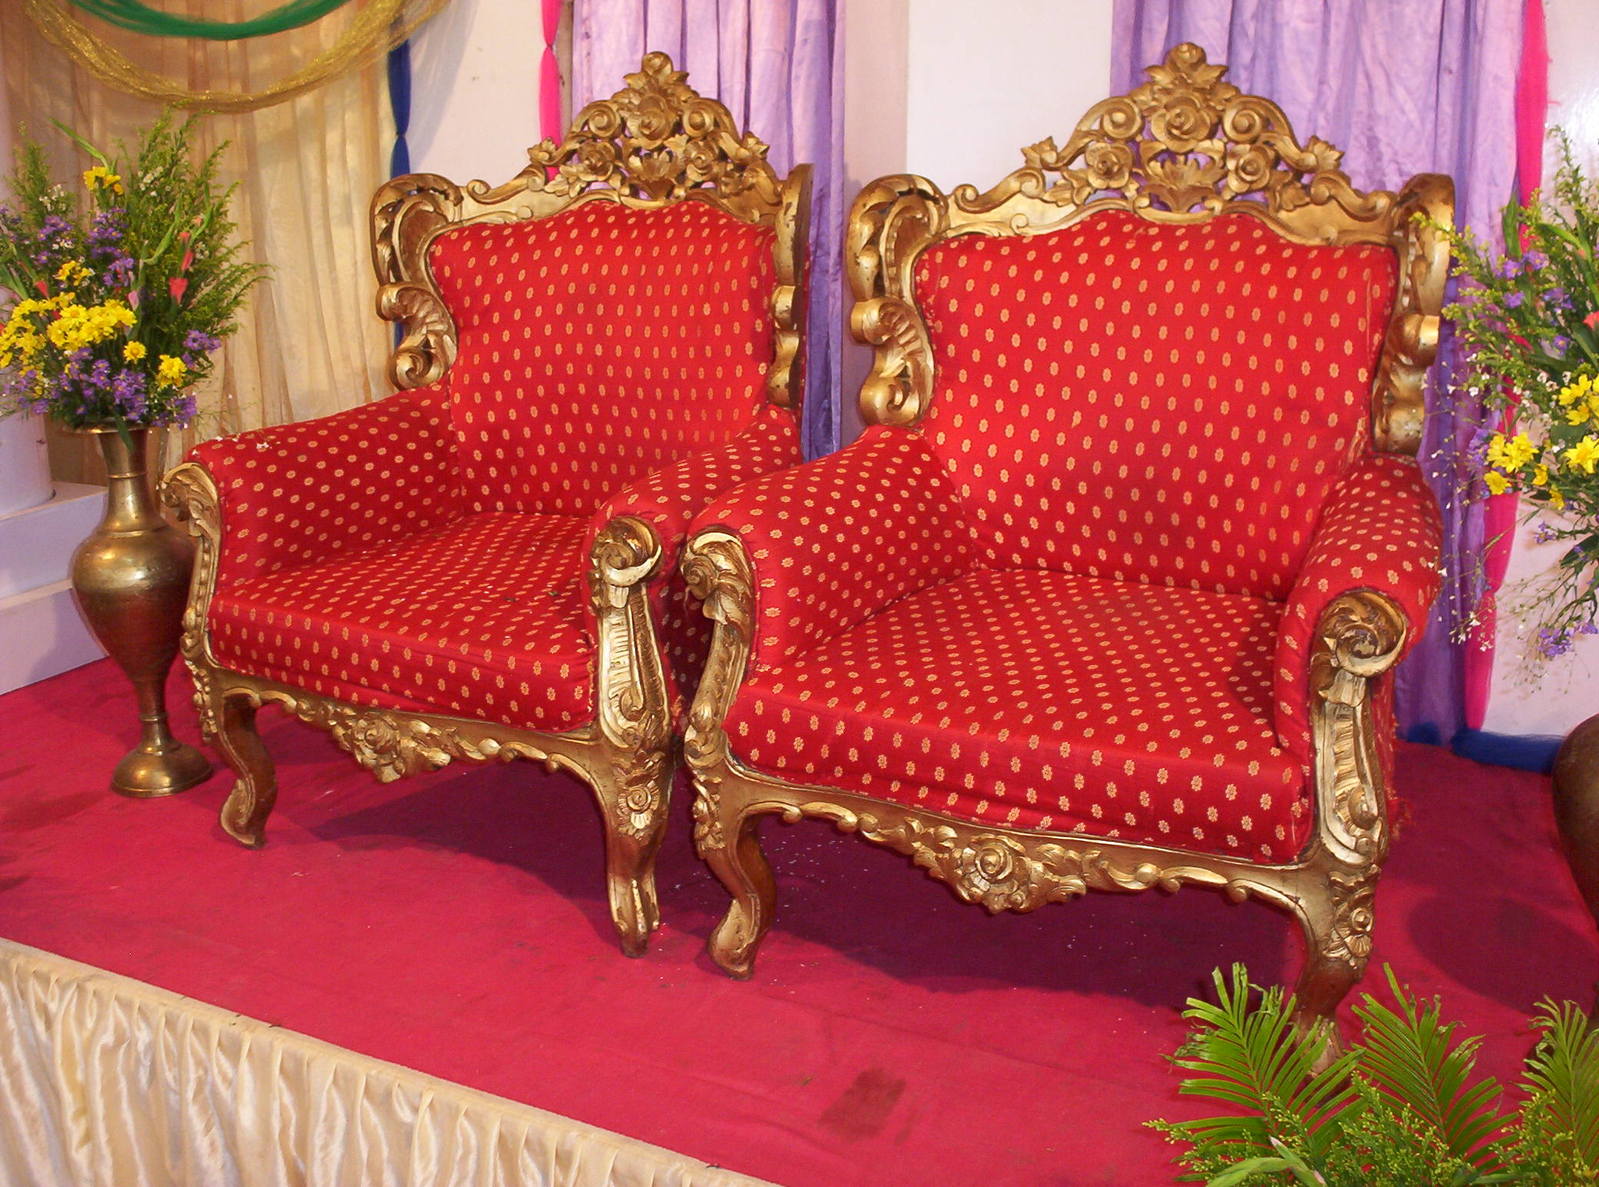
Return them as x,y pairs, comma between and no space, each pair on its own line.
654,143
1182,148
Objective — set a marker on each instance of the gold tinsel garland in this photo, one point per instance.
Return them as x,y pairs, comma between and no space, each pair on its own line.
379,26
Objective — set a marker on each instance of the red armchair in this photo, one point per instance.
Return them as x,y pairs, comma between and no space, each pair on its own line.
1107,596
468,569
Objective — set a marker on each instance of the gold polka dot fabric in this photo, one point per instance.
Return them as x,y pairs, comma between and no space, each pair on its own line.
1380,530
296,493
481,618
668,500
600,344
1080,595
1152,402
1047,701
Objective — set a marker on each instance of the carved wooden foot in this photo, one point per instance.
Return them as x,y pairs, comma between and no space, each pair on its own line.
1576,792
255,790
1337,944
733,851
635,821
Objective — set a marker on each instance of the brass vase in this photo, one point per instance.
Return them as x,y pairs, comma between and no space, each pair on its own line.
131,578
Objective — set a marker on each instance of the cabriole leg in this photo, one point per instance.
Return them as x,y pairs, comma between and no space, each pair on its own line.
255,789
1337,921
635,822
728,843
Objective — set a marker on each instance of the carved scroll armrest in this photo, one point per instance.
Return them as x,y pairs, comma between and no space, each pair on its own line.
1379,533
293,493
719,574
840,538
632,711
1360,636
670,498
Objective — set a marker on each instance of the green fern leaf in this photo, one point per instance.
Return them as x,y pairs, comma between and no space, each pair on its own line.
1563,1072
1413,1058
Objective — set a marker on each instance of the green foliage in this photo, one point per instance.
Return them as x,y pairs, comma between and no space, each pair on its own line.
1403,1107
1528,318
121,287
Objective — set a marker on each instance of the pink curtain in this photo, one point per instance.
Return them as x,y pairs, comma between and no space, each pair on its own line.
1402,88
778,66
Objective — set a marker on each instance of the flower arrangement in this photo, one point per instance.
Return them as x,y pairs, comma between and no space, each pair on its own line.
1403,1107
121,289
1529,321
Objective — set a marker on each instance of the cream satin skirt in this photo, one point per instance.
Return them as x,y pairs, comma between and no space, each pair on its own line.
109,1082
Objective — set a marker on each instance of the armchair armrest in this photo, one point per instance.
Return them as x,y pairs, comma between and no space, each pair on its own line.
831,542
294,493
669,499
1380,536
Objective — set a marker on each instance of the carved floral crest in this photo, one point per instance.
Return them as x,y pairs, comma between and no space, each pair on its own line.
657,138
1187,139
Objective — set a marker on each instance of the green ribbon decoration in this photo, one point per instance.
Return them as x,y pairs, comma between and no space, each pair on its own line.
141,18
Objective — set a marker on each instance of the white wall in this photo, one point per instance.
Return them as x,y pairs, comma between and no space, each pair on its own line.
475,90
985,79
1529,696
952,90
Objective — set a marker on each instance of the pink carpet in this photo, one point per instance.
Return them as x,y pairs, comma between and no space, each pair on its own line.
456,923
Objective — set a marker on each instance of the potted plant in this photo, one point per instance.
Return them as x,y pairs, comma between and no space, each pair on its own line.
120,289
1403,1107
1528,319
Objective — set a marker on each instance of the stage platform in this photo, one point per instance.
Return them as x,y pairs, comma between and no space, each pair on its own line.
456,924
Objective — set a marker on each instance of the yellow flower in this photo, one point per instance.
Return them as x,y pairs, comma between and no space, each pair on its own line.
1498,484
72,272
1540,476
1556,499
1496,451
133,352
101,177
1519,451
171,372
1578,389
80,326
1584,455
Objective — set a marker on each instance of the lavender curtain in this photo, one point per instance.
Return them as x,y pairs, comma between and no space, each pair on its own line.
1422,86
778,65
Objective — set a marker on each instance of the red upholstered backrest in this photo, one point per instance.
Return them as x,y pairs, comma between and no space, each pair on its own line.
1151,401
600,344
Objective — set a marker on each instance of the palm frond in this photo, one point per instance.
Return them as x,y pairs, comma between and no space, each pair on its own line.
1563,1070
1249,1055
1412,1057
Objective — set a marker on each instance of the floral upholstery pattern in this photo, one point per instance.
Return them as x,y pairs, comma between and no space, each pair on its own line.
1043,700
481,617
1152,402
1079,595
295,493
668,500
600,344
430,551
1380,530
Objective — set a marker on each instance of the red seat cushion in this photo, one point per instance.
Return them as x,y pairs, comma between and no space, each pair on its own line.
478,618
599,344
1042,700
1147,401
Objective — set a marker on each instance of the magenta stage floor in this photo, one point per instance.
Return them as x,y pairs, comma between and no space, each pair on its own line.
456,923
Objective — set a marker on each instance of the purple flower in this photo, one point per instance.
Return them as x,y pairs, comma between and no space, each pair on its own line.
1509,268
1513,300
1557,346
1588,628
198,342
1534,260
106,231
1558,298
1544,534
129,392
120,273
1553,643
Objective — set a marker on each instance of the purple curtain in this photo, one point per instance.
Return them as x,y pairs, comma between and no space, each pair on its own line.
778,65
1402,88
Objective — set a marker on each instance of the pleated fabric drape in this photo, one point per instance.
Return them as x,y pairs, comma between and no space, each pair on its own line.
108,1082
308,342
778,66
1424,86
